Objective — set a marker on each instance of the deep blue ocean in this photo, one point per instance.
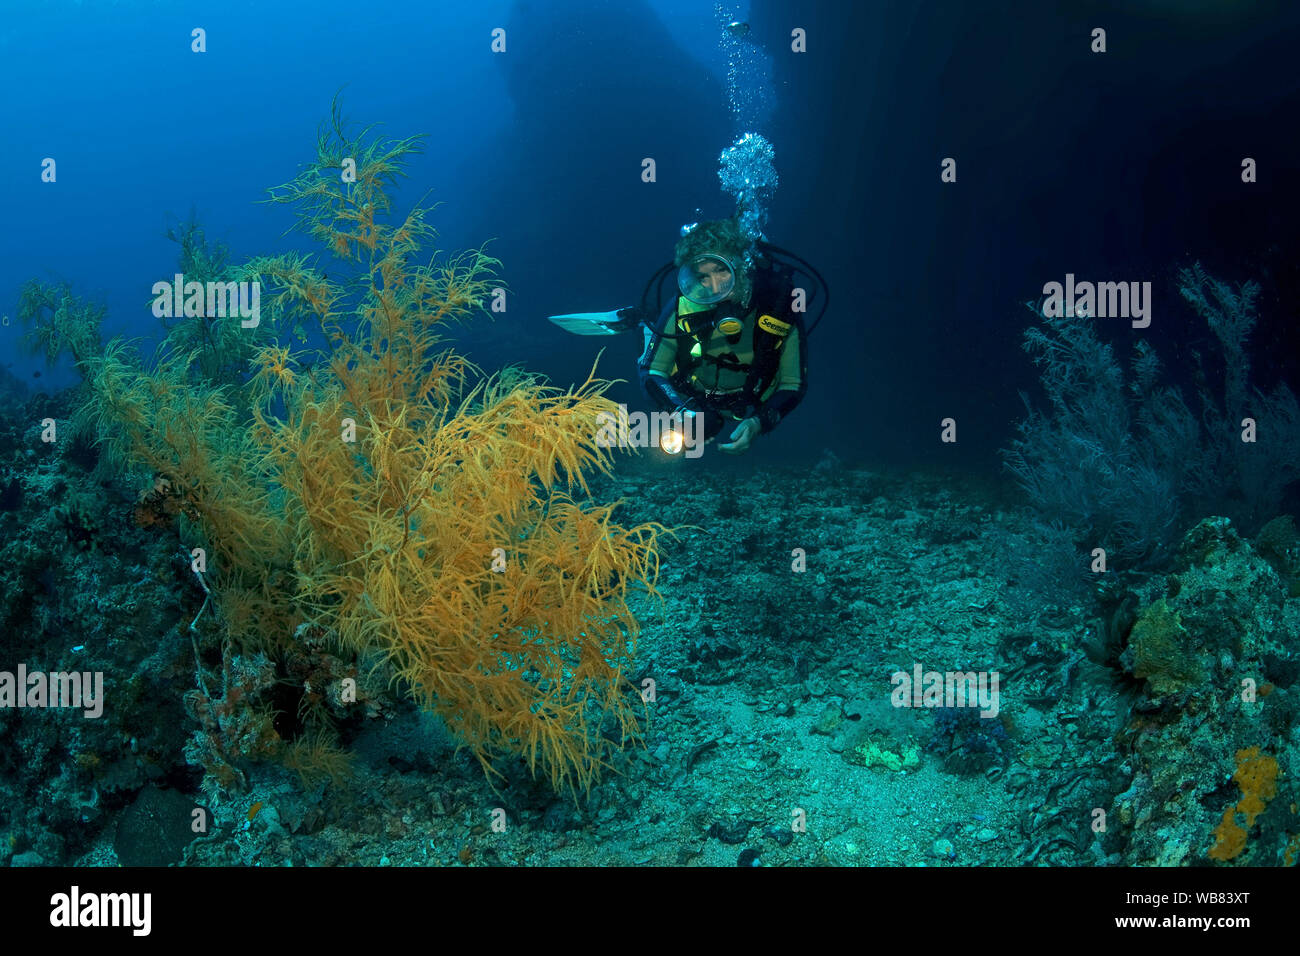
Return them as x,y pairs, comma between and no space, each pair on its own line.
1123,164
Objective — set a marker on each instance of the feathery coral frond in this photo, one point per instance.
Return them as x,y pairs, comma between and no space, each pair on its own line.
389,493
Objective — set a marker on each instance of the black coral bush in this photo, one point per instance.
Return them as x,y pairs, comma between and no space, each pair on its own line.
383,491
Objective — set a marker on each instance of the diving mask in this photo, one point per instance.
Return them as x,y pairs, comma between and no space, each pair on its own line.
706,279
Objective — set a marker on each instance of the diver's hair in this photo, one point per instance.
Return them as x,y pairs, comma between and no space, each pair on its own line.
721,237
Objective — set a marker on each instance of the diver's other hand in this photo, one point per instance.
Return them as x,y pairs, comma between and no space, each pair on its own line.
745,433
711,422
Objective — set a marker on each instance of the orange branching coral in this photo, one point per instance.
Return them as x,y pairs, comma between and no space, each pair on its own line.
447,538
1256,775
190,434
388,493
398,499
273,373
316,757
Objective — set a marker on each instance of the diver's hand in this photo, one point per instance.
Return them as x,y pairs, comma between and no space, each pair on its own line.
745,433
710,424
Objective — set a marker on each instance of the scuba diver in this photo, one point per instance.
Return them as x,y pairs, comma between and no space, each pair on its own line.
731,348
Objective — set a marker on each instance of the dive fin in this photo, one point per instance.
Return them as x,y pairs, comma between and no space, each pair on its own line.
598,323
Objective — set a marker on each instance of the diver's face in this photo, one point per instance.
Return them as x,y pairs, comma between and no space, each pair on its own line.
713,276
